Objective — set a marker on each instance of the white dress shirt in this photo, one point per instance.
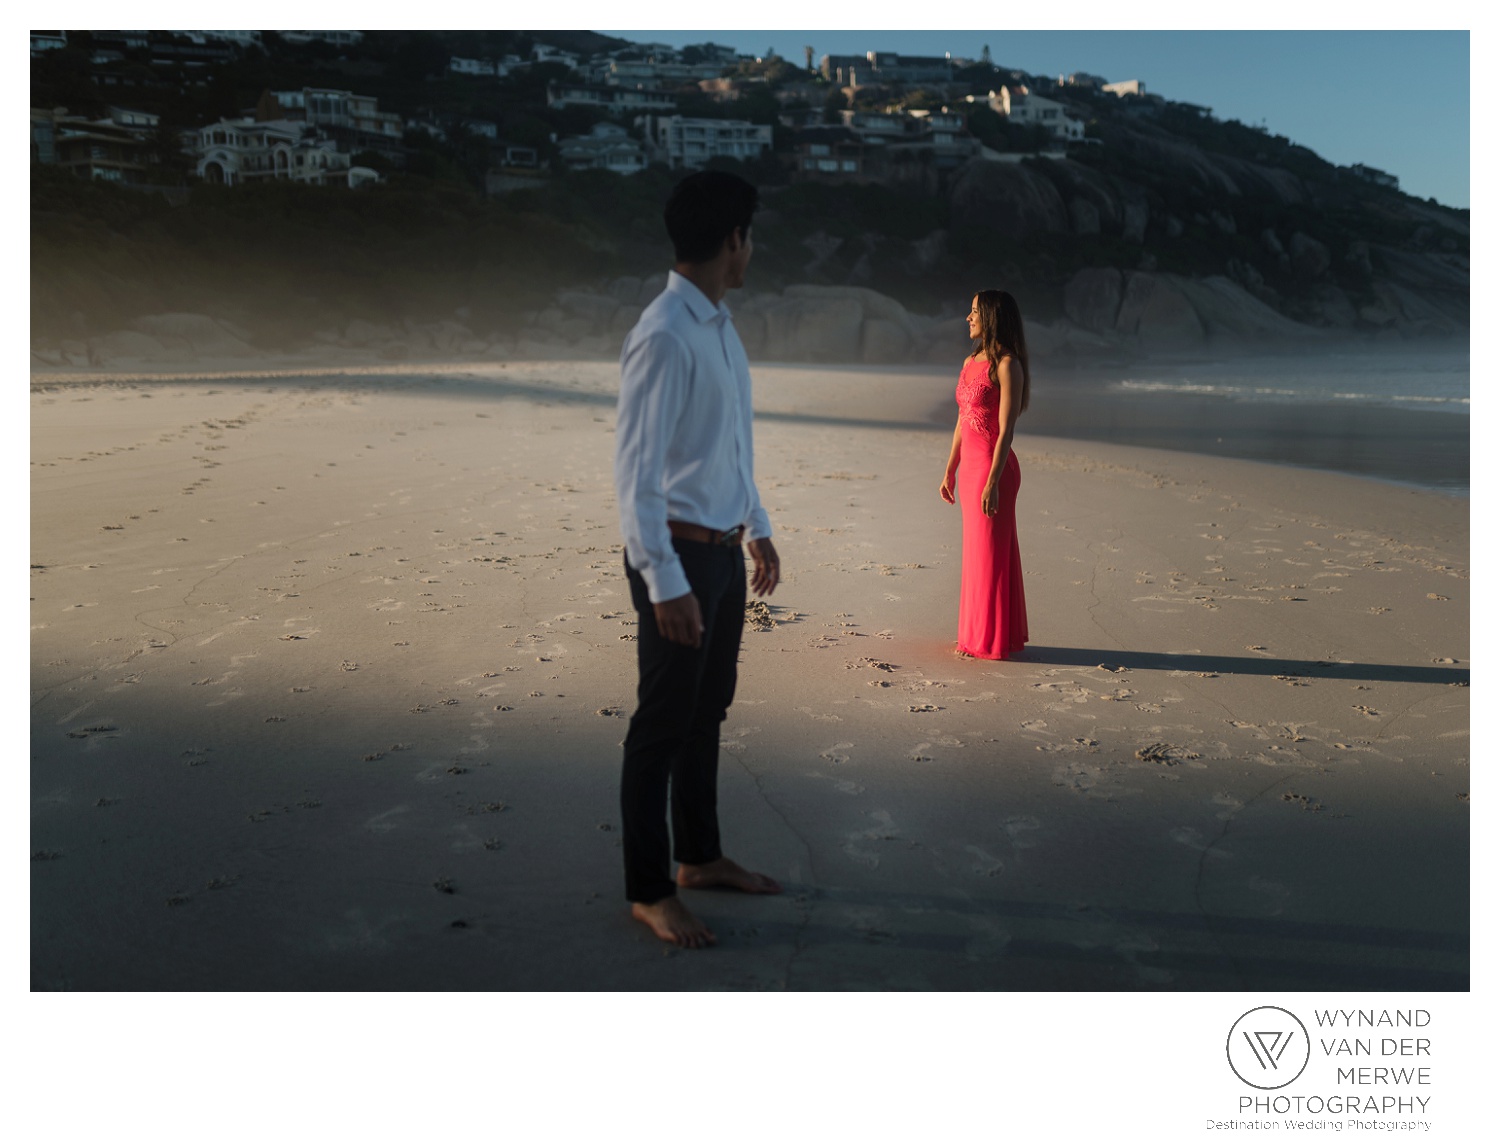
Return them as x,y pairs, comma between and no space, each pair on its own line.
683,447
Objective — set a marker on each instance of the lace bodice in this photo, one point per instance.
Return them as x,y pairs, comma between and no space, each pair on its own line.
978,399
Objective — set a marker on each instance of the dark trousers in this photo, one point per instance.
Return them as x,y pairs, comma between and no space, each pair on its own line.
681,700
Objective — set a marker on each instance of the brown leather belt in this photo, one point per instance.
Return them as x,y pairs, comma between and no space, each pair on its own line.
691,531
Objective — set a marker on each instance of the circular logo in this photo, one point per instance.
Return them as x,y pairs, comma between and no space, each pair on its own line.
1268,1047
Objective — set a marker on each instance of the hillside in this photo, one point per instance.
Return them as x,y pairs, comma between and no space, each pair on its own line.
1162,230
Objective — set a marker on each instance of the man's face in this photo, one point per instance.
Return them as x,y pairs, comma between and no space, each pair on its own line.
741,247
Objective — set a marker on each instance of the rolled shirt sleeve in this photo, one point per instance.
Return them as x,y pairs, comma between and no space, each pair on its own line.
654,374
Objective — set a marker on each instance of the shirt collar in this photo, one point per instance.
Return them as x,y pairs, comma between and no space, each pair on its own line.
695,299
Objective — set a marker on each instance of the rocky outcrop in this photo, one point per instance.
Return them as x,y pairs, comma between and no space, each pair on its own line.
1092,298
1158,315
1310,258
1008,198
1165,312
1333,308
1228,312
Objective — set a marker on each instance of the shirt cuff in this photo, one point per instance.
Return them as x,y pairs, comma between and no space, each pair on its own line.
758,526
666,581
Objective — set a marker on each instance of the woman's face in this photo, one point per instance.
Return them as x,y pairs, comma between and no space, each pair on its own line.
974,319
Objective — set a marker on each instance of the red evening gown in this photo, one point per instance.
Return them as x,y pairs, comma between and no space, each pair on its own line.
991,599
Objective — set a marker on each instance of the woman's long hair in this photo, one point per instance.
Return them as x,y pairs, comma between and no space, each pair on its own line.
1001,334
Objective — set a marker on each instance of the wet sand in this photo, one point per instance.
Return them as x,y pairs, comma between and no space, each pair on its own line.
329,675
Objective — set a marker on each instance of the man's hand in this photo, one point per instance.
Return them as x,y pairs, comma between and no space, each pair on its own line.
680,620
767,566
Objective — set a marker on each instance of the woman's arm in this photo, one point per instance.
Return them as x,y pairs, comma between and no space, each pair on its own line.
946,491
1010,408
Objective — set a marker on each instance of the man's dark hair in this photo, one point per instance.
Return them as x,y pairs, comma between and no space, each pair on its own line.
706,208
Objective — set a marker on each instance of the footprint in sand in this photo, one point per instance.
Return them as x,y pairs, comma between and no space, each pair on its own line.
1078,777
884,829
835,753
984,863
851,788
1193,839
1019,829
1076,745
1278,894
1231,804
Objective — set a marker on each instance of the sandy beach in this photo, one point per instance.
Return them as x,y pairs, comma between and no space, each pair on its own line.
330,668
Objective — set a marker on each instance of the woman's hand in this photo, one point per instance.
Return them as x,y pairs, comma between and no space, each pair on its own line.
946,491
989,502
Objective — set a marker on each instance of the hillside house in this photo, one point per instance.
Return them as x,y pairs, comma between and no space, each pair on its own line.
115,148
682,142
607,146
546,53
654,73
355,122
337,39
235,151
613,100
829,154
885,67
239,39
876,127
1021,105
1377,177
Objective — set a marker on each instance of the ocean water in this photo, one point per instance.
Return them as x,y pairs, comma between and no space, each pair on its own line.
1397,413
1422,379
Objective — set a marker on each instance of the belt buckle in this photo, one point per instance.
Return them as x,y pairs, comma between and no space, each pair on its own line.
731,538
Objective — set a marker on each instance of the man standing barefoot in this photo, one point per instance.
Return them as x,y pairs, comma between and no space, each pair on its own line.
684,473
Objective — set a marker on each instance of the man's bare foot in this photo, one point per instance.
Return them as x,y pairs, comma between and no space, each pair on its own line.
724,873
672,922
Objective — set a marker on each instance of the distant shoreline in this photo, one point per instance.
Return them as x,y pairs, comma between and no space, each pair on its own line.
1415,446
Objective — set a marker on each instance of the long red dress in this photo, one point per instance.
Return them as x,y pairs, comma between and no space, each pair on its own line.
991,598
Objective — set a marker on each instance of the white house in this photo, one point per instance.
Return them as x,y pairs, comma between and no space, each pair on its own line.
234,151
1125,87
1021,105
613,99
358,116
546,53
682,142
654,73
607,146
338,39
876,127
241,39
471,66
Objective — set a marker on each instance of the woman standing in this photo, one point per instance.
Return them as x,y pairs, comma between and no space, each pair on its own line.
983,477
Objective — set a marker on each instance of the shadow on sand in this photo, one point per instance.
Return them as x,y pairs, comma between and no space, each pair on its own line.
1120,661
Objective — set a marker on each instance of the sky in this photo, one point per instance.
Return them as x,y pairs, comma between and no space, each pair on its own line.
1394,100
1397,100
